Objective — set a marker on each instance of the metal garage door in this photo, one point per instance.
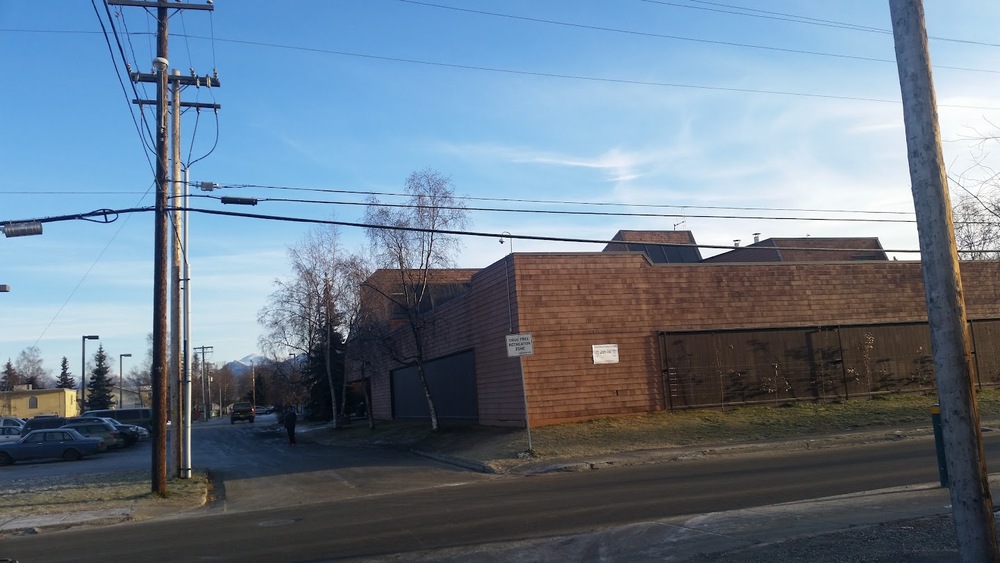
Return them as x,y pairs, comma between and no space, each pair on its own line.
452,382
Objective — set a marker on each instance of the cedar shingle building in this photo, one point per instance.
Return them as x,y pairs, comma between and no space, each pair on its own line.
793,319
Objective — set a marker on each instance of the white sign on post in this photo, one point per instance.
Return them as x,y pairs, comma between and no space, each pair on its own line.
605,353
519,345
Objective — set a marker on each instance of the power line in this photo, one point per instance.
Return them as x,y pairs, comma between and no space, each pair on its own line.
679,37
487,199
493,235
563,212
135,121
633,82
111,215
794,17
627,81
563,202
808,20
764,14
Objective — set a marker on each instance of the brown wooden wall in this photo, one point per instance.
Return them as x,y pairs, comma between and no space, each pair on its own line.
570,302
477,321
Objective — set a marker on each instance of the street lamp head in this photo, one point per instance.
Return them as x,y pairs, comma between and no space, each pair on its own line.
22,229
4,288
125,355
91,337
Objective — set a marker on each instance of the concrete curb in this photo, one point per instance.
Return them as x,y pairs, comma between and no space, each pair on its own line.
456,461
28,525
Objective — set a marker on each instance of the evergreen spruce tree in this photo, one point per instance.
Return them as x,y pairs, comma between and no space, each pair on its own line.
10,377
100,389
66,379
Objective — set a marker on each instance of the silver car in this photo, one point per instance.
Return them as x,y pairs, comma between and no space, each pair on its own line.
10,433
102,429
15,422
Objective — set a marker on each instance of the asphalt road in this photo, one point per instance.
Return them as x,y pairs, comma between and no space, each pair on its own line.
310,502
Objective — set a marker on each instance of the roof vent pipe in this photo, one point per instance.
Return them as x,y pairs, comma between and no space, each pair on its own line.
736,243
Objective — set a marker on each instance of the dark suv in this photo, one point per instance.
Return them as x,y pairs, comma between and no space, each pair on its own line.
242,411
43,421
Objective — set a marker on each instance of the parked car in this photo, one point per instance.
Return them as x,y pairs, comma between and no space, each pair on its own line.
40,422
140,431
64,443
140,416
242,411
10,433
102,429
11,421
130,433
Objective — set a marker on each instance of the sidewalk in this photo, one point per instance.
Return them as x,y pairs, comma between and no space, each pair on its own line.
23,525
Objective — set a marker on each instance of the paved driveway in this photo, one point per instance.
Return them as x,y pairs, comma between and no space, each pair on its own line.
254,468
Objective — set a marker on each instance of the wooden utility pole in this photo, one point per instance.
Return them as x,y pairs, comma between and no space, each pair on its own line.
206,395
972,506
159,371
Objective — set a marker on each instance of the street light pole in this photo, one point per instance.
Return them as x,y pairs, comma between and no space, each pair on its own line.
253,385
120,379
83,368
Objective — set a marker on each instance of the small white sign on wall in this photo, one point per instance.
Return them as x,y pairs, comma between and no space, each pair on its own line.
605,353
519,345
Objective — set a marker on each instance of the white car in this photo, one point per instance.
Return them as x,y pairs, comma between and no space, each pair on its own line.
11,421
10,433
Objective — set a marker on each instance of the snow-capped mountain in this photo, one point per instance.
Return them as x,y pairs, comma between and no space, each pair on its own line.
243,365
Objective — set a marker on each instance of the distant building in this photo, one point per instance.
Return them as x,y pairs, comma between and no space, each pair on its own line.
33,402
662,247
637,329
130,397
808,249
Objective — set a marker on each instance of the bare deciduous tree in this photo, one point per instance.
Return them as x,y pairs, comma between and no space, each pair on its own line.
358,320
977,227
139,378
976,211
409,239
301,315
29,367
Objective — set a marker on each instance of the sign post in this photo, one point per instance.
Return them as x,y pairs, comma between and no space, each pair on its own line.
519,346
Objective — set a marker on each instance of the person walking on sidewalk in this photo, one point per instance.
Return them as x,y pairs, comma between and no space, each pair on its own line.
290,419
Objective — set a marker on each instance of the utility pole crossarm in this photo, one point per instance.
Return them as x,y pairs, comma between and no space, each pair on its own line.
199,105
206,81
162,4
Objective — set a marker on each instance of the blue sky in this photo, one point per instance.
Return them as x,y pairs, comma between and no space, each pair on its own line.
706,109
